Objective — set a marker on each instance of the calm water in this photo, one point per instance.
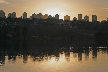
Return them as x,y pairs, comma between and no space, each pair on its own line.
53,56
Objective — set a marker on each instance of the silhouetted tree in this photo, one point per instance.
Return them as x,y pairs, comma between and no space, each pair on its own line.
25,32
99,35
17,32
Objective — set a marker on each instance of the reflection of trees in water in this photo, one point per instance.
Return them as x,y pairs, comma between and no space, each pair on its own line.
94,53
2,58
24,50
45,50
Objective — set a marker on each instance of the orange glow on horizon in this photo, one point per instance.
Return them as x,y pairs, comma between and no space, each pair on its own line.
61,7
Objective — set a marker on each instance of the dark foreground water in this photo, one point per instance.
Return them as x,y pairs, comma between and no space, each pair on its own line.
54,56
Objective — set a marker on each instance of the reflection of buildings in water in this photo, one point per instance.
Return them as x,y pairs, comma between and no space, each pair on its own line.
44,54
25,51
56,58
37,59
107,51
102,50
12,58
12,55
2,59
67,56
16,45
75,50
79,56
57,52
86,53
80,50
25,58
45,58
94,53
75,55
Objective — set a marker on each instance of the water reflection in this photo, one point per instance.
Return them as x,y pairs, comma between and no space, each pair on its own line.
46,51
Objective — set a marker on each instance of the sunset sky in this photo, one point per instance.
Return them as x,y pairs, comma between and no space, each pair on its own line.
61,7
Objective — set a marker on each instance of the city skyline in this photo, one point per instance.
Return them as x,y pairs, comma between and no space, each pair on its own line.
24,15
62,7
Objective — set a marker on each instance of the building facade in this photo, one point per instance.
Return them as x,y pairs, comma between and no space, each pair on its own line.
74,19
40,16
94,18
86,18
14,15
9,15
79,16
34,15
24,15
2,14
66,17
49,16
46,16
56,16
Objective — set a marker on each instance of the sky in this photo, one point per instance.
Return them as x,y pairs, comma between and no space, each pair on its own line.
61,7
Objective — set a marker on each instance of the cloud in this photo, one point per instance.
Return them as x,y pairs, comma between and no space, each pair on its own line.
4,2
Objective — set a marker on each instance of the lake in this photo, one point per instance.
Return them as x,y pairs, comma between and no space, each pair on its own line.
38,55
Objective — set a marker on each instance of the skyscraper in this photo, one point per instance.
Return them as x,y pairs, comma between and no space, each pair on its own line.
24,15
31,17
49,16
2,14
94,18
10,15
66,17
56,16
79,16
46,16
86,18
34,15
14,15
74,19
40,16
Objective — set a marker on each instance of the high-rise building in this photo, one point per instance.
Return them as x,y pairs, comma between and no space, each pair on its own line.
31,17
24,15
49,16
86,18
14,15
34,15
79,16
74,19
46,16
103,21
40,16
10,15
94,18
66,17
2,14
56,16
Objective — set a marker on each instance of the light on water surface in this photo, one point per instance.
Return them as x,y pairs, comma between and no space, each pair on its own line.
64,63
